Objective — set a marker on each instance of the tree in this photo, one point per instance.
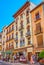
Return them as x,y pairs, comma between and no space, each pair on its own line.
41,55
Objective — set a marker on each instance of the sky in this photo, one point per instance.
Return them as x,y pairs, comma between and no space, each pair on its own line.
10,7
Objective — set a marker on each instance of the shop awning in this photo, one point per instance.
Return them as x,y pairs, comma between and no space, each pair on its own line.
8,52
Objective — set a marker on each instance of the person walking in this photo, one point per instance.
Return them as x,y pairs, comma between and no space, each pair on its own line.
33,60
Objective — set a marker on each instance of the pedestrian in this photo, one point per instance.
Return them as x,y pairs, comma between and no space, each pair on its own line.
33,60
15,58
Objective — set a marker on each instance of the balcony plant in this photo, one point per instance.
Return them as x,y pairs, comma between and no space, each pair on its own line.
41,56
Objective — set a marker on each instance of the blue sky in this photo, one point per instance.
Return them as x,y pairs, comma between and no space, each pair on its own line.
8,8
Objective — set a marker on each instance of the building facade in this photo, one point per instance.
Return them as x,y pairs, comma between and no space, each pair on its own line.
0,44
25,35
23,30
10,42
37,17
3,41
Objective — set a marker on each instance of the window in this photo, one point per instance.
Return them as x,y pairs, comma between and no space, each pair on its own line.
27,12
12,27
38,28
0,36
9,37
29,41
21,16
16,44
3,42
28,28
7,30
27,20
16,28
40,41
21,33
16,36
4,30
12,35
37,16
22,43
9,45
21,23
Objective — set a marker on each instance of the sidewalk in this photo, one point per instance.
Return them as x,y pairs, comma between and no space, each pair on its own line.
18,64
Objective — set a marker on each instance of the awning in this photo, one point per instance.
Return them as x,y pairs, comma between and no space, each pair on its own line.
8,52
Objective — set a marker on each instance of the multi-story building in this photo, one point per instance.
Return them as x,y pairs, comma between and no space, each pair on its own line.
23,31
10,42
3,40
0,44
25,35
37,17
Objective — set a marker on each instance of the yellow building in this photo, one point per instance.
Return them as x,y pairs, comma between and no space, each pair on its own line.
23,31
37,17
10,39
4,40
0,44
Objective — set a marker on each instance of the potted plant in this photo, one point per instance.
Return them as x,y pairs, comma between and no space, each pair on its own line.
41,56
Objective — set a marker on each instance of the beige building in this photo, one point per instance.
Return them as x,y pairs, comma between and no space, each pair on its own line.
0,44
3,40
23,30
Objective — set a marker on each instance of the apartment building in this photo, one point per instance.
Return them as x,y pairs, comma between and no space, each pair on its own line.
3,40
25,35
0,44
37,17
23,30
10,42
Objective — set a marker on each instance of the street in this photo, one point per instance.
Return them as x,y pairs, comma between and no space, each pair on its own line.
6,63
15,64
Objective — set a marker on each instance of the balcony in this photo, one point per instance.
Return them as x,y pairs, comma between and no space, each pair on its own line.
22,38
22,44
11,47
38,31
21,27
40,45
10,31
37,18
16,39
28,34
7,48
10,39
29,43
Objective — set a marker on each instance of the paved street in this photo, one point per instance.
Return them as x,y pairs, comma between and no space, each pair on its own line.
8,63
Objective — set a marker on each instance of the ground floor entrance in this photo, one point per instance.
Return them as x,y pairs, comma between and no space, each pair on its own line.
25,52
